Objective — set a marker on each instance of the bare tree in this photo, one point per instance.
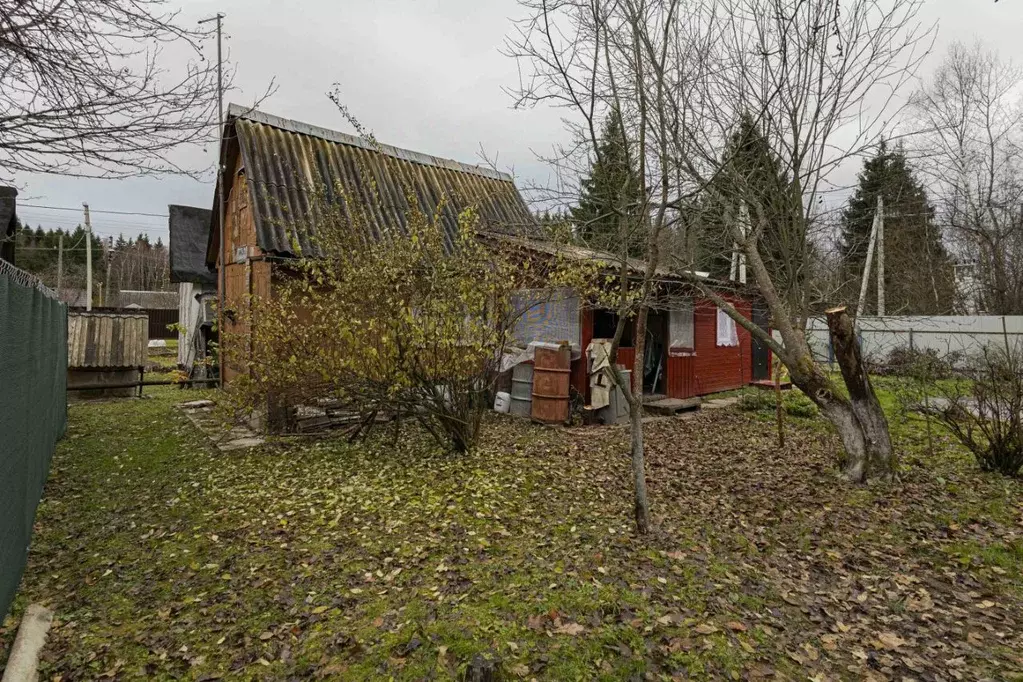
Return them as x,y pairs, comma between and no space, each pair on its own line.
101,88
598,58
683,73
971,144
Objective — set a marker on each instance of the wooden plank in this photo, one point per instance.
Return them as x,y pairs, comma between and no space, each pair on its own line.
670,406
90,342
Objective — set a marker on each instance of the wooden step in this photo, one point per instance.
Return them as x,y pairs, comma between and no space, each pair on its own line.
670,406
768,384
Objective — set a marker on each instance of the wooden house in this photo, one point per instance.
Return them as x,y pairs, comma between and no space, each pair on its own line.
8,224
274,163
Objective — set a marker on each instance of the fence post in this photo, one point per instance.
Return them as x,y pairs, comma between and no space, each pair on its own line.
911,349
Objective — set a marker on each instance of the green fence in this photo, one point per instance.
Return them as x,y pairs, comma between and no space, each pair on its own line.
33,411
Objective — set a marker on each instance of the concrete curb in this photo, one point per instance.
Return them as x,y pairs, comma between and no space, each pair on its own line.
24,659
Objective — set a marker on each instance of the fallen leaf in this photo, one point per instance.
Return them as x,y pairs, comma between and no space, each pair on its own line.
570,629
890,640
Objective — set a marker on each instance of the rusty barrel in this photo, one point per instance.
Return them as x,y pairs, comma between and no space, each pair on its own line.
552,367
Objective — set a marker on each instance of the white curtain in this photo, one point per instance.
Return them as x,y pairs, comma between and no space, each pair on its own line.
727,333
680,326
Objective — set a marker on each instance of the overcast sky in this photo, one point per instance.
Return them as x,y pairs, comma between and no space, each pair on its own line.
421,74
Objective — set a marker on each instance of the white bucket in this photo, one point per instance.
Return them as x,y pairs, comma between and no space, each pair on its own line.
502,403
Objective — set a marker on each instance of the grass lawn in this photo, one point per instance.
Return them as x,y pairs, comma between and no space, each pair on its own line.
166,559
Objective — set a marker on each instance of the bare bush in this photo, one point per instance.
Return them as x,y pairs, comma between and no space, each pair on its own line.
983,409
406,325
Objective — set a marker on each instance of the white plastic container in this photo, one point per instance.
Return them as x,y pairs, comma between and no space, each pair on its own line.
502,403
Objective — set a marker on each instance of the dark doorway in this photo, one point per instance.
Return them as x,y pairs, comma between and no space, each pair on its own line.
655,366
605,322
761,354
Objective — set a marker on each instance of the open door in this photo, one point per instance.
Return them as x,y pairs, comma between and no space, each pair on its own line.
655,367
761,354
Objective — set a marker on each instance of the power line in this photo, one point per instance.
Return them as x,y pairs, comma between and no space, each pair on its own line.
91,210
33,214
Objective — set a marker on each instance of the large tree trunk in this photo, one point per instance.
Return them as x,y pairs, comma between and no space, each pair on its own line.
875,458
859,420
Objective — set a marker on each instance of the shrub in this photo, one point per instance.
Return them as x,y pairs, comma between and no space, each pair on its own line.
794,402
924,364
408,326
797,404
984,412
755,401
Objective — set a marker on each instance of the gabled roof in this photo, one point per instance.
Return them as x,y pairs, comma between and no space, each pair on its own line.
285,161
579,253
189,234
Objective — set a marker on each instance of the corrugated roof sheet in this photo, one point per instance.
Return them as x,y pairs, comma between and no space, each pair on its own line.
577,252
285,161
189,233
107,340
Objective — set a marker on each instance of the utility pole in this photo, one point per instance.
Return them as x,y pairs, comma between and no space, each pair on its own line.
860,307
107,257
880,255
219,18
88,258
60,260
745,227
738,269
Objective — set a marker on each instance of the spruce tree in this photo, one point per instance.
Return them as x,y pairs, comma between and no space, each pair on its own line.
751,173
611,193
919,277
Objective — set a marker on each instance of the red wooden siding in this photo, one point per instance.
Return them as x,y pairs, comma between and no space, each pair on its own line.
681,382
580,377
719,368
627,357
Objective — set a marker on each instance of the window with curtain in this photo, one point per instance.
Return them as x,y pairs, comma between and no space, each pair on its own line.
680,327
727,334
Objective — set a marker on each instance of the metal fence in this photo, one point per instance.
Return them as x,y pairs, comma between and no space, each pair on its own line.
33,410
956,338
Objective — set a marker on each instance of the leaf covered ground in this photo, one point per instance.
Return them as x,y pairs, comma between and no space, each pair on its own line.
166,559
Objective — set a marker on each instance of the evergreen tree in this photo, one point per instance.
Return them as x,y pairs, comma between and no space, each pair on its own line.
752,175
610,194
919,278
38,253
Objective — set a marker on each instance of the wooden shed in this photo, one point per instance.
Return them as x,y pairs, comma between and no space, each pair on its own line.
693,348
106,349
708,363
